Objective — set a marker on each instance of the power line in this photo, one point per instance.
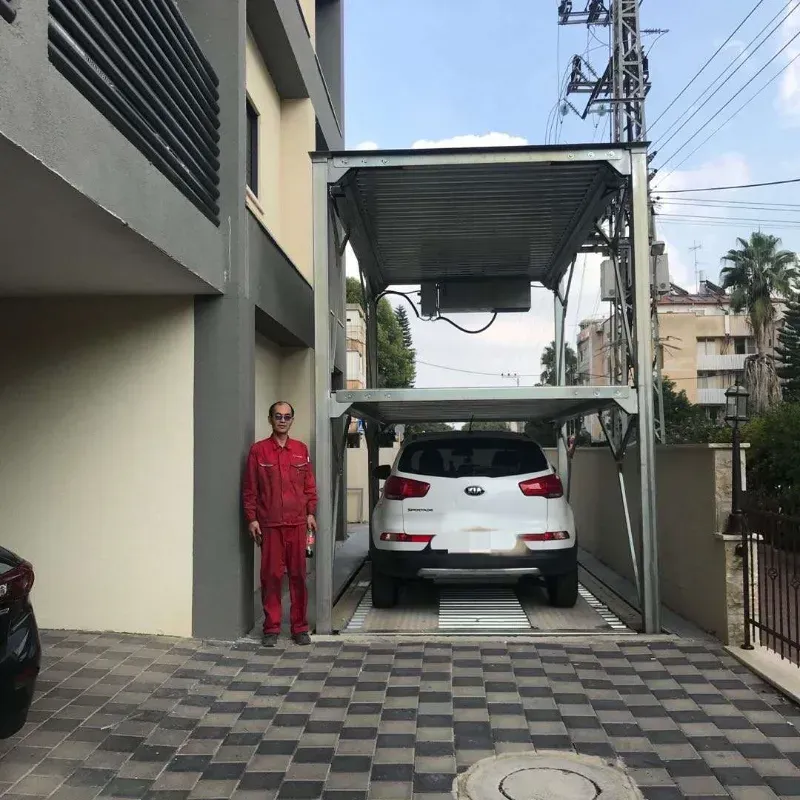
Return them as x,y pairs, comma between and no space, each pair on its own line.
725,188
741,107
702,69
690,202
716,91
730,100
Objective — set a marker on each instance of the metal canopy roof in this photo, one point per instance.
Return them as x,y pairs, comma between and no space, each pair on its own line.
438,215
556,403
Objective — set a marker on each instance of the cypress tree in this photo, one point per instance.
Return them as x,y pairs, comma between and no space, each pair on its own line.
402,318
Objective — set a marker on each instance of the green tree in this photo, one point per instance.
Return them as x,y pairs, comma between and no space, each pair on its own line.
405,326
396,361
427,427
685,423
788,350
548,362
773,459
756,273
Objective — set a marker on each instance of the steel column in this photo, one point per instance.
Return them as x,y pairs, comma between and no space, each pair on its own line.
559,344
642,295
371,428
323,428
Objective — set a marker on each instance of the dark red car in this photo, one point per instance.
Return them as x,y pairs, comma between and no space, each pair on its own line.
20,648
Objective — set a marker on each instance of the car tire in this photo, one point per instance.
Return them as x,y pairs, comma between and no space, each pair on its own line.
562,590
13,723
384,591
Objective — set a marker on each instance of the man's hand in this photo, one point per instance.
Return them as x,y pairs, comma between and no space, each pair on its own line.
255,532
311,522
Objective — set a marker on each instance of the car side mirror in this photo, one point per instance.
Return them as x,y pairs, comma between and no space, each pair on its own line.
382,472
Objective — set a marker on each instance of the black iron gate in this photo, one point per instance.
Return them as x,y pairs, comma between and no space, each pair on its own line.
772,578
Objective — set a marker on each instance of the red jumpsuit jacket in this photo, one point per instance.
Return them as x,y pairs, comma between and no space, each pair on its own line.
278,487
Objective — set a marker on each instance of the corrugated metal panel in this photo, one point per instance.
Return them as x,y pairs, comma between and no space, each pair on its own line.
711,397
462,221
717,363
138,63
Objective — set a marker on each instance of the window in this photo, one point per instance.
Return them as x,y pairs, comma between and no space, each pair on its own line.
744,345
252,148
472,457
707,347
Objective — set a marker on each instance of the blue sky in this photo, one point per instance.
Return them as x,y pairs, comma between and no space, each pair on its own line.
438,69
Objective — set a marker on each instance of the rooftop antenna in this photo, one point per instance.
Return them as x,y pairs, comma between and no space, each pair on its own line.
697,277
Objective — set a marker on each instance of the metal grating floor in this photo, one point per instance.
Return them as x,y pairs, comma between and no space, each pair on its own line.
423,607
473,608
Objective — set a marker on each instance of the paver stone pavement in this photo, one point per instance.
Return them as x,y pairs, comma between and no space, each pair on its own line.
345,719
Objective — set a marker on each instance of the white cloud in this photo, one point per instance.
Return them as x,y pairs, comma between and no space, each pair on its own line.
493,139
789,94
366,146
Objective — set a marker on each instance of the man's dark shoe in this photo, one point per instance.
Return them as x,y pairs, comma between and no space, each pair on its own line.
269,639
303,639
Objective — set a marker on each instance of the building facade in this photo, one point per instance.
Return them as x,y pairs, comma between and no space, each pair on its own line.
156,292
703,345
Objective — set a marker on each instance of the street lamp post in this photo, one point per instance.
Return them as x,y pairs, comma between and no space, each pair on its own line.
736,415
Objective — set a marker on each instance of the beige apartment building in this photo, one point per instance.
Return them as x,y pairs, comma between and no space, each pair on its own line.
703,345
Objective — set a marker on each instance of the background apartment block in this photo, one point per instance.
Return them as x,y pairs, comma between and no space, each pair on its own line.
155,291
703,346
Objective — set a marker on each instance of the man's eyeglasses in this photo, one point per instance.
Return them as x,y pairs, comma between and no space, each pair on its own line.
282,417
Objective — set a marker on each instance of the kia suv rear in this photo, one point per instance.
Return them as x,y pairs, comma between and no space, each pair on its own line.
473,507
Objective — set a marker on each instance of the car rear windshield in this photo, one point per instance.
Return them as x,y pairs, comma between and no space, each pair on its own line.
486,457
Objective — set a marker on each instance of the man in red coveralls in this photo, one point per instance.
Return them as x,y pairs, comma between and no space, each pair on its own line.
280,500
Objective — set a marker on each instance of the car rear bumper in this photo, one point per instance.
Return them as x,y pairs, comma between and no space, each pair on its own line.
454,567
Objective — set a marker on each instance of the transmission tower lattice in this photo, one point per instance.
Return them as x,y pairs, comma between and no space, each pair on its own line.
622,86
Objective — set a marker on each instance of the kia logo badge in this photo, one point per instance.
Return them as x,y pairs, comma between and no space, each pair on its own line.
474,491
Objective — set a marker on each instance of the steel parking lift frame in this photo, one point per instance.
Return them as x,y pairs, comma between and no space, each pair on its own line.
459,214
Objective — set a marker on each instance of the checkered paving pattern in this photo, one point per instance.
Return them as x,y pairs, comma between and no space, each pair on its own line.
140,717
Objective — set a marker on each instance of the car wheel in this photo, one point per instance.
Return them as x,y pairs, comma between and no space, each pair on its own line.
384,591
562,590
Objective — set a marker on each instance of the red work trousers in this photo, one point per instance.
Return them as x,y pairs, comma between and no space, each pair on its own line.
283,552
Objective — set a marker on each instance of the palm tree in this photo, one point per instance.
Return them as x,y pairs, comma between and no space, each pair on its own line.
756,273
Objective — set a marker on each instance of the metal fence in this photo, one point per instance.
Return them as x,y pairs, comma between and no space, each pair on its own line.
772,577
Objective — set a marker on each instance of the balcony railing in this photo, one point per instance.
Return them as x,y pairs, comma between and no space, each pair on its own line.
711,397
730,362
138,63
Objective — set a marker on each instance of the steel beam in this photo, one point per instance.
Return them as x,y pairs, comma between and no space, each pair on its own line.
616,157
642,295
323,429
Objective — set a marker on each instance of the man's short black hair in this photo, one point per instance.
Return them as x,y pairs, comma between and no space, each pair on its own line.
279,403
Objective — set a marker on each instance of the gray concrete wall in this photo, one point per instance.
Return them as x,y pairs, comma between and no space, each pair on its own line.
330,51
224,356
50,120
693,499
284,299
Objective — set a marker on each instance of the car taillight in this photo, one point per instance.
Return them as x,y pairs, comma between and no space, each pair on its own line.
397,488
547,486
417,538
550,536
16,584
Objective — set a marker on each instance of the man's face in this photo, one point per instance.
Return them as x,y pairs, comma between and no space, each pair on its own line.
282,418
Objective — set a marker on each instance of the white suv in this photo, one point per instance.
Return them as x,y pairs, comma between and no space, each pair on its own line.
472,507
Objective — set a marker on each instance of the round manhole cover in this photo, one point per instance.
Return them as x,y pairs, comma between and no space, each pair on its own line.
545,776
545,783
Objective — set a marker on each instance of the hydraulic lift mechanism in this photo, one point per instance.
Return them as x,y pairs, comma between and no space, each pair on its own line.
473,229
